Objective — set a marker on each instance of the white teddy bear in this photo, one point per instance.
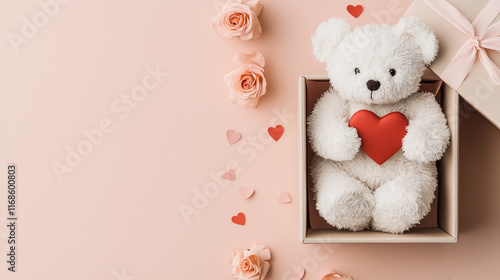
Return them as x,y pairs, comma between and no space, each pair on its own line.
376,68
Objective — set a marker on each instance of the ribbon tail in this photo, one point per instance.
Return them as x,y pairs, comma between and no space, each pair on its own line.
492,31
452,15
491,44
486,17
490,66
460,66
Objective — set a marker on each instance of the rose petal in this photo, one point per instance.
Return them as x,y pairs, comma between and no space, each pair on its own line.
255,57
260,251
255,6
236,255
264,269
254,261
252,104
257,31
252,21
264,255
264,86
230,77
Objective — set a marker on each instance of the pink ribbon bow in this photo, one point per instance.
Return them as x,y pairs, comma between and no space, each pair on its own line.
482,35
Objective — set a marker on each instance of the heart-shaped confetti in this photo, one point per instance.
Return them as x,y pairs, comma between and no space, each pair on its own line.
239,219
233,136
298,273
245,192
284,197
355,11
229,175
276,132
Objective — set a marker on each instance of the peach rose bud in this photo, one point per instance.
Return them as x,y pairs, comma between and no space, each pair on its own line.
247,84
251,264
238,20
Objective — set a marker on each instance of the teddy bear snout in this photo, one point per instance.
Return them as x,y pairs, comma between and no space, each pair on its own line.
373,85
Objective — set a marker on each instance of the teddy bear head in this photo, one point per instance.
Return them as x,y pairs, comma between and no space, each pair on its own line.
375,64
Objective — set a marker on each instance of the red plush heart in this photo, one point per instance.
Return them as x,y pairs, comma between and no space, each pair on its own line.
239,219
276,132
381,137
355,11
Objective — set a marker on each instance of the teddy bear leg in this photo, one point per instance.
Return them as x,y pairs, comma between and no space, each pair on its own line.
404,201
343,201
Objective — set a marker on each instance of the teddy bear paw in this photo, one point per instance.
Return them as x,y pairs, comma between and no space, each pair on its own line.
396,214
352,211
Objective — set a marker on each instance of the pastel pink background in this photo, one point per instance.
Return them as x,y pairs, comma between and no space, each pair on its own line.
118,211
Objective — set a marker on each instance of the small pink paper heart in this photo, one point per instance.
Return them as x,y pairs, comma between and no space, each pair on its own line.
246,192
284,197
298,273
232,136
229,175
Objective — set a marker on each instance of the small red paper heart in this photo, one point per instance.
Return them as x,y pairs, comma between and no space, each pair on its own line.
381,137
230,175
276,132
239,219
355,11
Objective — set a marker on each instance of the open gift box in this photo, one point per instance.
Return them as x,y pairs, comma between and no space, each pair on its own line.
468,56
440,225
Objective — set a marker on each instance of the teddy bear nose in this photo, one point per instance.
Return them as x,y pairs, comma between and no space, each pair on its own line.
373,85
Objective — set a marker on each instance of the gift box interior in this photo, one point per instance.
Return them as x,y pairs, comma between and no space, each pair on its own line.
439,226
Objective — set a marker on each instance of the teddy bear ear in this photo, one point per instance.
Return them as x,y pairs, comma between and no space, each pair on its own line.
422,35
328,36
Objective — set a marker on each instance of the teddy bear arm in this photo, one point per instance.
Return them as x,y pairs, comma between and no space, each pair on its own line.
428,135
328,130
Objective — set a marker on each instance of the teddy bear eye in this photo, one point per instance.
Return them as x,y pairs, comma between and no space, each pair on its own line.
356,71
392,72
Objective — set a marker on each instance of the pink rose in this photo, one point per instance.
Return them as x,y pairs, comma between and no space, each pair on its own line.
247,84
336,276
238,19
250,264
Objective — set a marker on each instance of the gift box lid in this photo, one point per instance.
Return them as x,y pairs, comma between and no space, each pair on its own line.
469,37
